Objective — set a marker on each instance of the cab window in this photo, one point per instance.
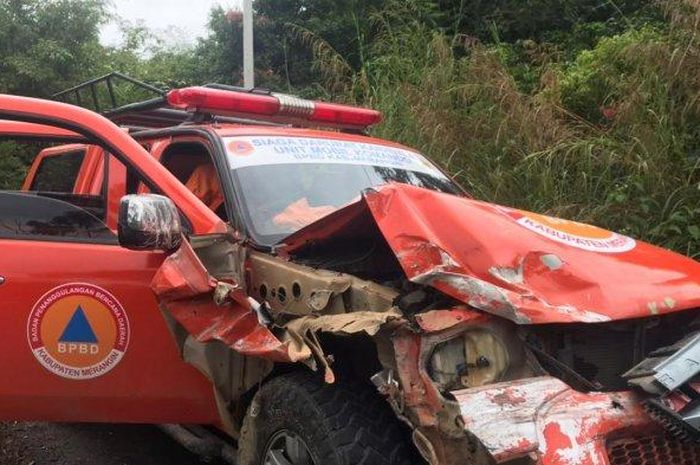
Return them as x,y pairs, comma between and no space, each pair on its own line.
58,173
192,164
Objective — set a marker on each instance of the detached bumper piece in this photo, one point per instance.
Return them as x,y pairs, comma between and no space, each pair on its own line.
672,374
548,422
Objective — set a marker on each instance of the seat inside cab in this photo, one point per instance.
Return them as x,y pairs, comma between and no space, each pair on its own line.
192,164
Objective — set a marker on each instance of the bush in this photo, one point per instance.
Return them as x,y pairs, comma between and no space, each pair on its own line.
598,80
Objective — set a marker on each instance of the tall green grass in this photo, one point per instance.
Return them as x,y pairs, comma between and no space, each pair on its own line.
610,136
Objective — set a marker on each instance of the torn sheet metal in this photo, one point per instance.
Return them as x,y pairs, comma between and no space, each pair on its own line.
420,398
414,354
346,323
439,320
546,419
303,332
212,310
525,267
186,291
182,275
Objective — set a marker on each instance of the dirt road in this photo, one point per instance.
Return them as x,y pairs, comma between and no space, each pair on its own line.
78,444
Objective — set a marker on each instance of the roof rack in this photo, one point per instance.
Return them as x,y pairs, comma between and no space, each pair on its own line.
138,105
107,88
127,101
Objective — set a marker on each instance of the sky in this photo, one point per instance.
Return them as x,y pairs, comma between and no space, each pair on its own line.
177,21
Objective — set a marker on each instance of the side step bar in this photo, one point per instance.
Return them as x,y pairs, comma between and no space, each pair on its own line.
202,442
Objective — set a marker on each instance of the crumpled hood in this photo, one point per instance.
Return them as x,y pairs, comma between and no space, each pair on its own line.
526,267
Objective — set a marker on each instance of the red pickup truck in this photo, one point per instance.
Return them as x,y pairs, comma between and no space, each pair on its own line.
316,296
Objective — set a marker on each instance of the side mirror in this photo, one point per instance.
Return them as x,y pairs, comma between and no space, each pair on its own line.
149,222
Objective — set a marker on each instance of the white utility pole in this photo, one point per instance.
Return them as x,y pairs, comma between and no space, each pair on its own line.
248,52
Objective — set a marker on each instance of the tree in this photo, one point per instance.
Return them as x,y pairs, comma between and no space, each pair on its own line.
285,33
511,20
47,45
296,26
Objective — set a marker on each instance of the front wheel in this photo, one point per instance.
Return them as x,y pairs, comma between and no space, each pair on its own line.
297,419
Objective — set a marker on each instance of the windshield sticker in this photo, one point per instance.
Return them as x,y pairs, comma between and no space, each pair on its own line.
579,235
275,150
78,331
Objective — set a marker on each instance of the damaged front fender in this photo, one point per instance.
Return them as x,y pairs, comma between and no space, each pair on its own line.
219,310
186,291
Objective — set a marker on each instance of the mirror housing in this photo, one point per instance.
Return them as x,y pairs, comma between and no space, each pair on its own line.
149,222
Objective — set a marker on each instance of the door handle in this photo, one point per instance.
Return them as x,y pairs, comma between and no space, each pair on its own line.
2,280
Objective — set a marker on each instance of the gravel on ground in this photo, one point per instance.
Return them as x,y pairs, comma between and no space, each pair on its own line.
89,444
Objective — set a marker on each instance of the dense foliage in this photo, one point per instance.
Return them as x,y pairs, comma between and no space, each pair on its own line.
587,109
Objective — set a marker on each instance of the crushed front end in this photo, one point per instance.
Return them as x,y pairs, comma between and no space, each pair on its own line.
520,356
550,394
501,336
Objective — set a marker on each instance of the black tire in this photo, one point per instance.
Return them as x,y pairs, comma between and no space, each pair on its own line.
340,424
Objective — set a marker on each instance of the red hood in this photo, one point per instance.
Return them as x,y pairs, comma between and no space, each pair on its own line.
526,267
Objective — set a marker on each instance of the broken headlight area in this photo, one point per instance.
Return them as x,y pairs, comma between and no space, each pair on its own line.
476,356
473,358
595,356
672,375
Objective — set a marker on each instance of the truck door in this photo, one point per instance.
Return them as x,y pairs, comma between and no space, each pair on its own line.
82,337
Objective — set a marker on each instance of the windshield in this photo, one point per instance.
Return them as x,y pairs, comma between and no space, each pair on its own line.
289,182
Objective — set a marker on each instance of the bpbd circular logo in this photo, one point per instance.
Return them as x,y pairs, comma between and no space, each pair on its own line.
78,331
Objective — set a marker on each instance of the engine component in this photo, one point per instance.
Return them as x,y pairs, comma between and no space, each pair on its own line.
473,358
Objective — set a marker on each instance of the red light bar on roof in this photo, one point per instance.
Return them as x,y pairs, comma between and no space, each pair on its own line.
277,107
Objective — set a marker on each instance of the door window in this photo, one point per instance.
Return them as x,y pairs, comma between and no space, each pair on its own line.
61,203
29,216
